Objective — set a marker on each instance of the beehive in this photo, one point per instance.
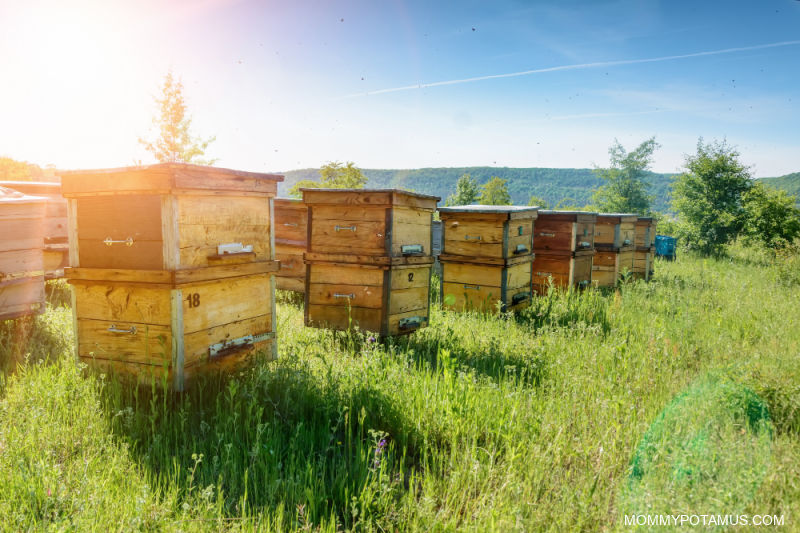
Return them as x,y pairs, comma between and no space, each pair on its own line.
291,233
486,257
645,238
564,247
369,259
614,241
21,267
56,248
172,268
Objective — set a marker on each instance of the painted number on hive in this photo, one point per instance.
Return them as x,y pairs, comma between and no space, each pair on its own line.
411,276
193,299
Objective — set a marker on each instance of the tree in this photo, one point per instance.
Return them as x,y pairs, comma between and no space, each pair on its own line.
772,218
541,202
174,143
709,197
494,192
11,169
625,188
333,175
466,192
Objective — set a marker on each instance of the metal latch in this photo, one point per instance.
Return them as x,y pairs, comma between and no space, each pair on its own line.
412,249
234,248
222,348
520,230
411,322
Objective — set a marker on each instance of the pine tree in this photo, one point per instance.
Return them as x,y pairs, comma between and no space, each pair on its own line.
174,143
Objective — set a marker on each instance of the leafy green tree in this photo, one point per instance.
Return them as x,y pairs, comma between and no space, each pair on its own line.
466,192
13,170
541,202
174,143
709,197
333,175
772,218
494,192
625,188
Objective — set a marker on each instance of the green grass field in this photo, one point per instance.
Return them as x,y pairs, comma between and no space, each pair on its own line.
677,396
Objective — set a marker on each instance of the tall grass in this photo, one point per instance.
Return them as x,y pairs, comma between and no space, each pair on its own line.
565,417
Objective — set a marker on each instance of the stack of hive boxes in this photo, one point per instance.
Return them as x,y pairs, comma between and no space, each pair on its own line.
645,237
21,240
291,234
614,241
56,249
369,259
172,268
564,246
486,257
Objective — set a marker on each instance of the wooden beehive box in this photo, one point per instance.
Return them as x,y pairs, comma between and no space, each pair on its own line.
615,231
490,231
169,216
614,240
564,247
291,234
474,284
173,325
389,299
645,238
172,267
56,248
369,259
21,267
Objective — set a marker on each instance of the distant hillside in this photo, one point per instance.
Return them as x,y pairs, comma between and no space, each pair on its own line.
573,185
789,183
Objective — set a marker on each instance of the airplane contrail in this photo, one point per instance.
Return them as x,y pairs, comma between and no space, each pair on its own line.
575,67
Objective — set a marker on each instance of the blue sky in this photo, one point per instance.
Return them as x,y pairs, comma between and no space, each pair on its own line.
287,85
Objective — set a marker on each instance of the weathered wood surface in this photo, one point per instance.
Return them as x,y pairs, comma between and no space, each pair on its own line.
339,296
481,286
369,197
489,234
21,257
610,265
615,231
291,222
139,322
163,177
564,231
562,270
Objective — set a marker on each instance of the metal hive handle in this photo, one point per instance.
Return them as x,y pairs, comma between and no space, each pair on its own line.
108,241
350,296
345,228
543,234
114,329
472,238
468,286
290,224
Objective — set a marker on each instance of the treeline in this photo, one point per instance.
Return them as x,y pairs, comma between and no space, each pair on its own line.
566,186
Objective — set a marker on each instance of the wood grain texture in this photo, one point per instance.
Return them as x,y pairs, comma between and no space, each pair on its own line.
149,345
21,297
104,302
214,303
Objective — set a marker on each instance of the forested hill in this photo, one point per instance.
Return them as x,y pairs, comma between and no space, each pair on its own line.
573,186
789,183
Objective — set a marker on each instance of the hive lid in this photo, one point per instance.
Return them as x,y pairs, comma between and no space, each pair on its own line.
627,217
34,187
11,196
164,177
491,209
553,215
369,197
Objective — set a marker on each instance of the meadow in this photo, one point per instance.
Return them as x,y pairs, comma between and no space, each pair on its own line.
681,395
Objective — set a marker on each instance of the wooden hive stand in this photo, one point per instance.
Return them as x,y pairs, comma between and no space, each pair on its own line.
368,260
21,265
56,247
172,268
645,248
614,240
291,234
486,258
564,247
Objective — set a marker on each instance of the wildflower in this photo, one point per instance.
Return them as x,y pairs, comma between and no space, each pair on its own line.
371,340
